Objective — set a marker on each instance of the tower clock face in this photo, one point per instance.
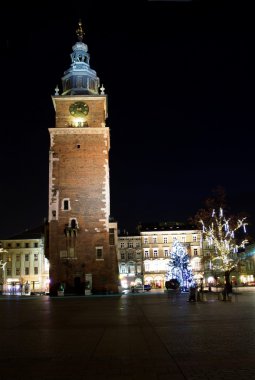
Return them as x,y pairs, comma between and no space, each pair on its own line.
79,109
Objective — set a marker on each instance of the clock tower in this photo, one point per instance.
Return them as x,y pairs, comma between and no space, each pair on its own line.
82,251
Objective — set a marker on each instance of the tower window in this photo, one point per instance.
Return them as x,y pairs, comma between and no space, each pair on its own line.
65,204
99,253
73,223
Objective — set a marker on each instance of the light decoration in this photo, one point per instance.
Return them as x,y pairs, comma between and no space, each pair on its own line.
220,235
179,265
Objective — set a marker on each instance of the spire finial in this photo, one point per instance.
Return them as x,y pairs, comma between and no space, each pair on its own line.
79,31
102,90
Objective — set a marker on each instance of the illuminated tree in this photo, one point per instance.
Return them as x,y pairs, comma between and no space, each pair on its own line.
226,243
179,265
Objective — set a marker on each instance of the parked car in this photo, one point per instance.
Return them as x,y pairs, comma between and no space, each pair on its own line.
147,287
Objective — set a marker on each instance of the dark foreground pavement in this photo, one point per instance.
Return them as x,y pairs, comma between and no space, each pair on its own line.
136,336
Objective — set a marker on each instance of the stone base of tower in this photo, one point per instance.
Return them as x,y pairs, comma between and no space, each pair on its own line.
75,276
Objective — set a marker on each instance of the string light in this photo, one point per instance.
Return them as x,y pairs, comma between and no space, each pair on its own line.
220,234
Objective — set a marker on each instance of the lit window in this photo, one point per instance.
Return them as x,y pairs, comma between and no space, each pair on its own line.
123,268
165,240
147,267
155,253
146,253
195,251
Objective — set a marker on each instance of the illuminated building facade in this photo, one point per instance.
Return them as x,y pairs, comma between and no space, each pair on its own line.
26,269
157,241
130,260
79,232
144,258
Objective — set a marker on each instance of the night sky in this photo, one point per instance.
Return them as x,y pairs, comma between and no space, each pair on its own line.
180,83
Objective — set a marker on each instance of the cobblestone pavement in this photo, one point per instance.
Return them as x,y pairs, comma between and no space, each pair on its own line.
135,336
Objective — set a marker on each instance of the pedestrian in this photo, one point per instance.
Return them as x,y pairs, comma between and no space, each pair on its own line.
193,293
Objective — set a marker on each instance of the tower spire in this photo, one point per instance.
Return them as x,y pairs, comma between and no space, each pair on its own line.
79,31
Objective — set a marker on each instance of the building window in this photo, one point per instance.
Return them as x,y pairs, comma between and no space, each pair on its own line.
122,245
99,253
154,240
73,223
165,240
123,268
146,241
137,244
122,255
194,237
36,245
17,257
35,257
17,245
131,268
26,257
9,271
26,245
66,204
26,271
155,252
166,252
195,251
35,270
183,239
130,244
130,256
17,271
146,253
9,245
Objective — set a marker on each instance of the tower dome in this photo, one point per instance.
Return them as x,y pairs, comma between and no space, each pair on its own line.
80,79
